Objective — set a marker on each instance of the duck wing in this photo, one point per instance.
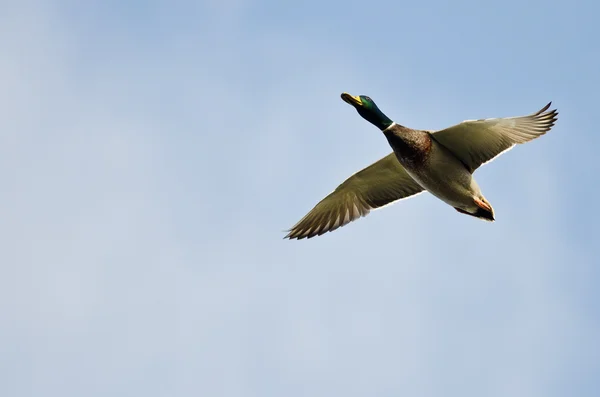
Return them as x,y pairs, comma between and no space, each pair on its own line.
381,183
476,142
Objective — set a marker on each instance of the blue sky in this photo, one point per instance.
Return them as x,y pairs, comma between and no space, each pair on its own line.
153,153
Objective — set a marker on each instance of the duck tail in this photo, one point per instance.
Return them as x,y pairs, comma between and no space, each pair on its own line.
484,214
484,210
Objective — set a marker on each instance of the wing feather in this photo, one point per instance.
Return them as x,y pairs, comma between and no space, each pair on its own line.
381,183
476,142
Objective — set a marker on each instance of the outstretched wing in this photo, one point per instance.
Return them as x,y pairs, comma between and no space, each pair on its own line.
475,142
381,183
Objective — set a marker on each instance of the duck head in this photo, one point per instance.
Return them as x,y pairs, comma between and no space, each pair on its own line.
369,111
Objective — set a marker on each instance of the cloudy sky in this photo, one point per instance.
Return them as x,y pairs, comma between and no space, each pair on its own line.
152,153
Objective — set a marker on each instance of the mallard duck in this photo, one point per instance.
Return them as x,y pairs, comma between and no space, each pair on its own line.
440,162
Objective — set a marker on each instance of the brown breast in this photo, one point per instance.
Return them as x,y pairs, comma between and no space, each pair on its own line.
412,146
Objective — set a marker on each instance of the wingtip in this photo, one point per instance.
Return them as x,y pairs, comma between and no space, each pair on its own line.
295,237
545,113
542,110
292,234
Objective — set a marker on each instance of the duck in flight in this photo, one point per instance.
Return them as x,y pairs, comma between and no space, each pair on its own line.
440,162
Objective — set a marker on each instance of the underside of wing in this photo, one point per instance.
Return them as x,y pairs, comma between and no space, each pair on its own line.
381,183
476,142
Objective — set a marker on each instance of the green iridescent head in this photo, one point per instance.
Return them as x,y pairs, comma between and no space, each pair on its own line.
368,110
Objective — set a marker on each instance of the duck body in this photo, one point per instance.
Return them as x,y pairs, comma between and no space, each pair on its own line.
437,170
